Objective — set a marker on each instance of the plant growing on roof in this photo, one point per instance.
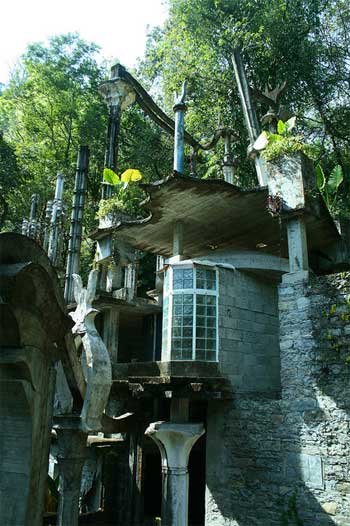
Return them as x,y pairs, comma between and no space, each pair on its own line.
328,186
273,145
126,196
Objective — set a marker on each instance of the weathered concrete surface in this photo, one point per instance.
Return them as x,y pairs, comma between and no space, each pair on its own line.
71,443
248,332
32,325
97,359
286,462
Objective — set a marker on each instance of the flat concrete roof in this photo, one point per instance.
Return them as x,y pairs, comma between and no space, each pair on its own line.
216,216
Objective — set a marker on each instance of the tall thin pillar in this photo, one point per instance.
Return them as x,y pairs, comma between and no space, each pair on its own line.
118,95
179,142
76,226
33,221
55,220
250,117
175,441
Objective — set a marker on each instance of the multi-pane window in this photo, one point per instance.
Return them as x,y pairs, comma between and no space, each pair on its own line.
190,314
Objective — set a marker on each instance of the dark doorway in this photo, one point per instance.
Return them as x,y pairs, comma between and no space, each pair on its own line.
196,498
152,483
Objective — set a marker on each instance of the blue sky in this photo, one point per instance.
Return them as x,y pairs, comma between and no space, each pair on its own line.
118,26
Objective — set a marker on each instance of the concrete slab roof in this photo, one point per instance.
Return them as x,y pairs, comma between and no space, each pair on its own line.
216,215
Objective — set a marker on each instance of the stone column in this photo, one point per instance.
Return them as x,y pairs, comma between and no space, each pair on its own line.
175,441
71,443
297,245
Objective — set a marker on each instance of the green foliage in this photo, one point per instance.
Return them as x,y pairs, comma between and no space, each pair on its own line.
302,42
273,145
329,186
110,176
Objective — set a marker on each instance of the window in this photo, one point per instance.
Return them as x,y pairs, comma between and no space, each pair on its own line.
190,314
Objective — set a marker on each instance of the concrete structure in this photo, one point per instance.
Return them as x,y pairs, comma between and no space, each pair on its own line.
221,398
33,325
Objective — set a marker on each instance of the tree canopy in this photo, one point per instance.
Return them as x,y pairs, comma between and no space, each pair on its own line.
52,103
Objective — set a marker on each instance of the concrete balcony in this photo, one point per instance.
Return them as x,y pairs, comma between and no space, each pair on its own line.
196,380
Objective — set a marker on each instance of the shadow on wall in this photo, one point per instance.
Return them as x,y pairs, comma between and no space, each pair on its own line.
286,462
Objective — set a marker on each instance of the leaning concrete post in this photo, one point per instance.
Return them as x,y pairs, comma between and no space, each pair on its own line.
56,213
175,442
250,117
76,225
71,443
179,144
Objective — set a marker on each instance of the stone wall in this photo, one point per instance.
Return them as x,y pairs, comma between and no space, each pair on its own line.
248,331
286,462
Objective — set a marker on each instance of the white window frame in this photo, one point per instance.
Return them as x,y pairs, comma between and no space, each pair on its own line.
194,291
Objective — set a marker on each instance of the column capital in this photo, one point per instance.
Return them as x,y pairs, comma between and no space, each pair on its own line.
175,442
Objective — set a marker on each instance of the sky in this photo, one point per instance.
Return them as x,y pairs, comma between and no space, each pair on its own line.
119,27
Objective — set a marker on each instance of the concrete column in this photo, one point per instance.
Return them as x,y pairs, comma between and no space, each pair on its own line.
297,245
175,442
179,139
178,239
111,333
71,443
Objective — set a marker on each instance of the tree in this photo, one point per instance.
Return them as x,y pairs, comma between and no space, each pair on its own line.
51,106
301,41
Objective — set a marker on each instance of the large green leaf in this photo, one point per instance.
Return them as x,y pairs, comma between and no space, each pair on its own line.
320,178
335,179
281,127
110,176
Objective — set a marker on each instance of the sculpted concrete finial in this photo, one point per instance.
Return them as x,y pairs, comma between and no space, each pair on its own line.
99,370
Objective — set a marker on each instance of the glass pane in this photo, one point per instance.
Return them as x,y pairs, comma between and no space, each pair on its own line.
183,278
177,299
210,344
187,322
177,322
187,344
175,355
188,310
177,310
188,299
211,322
188,273
201,284
176,343
178,284
200,321
211,333
187,332
200,355
211,311
187,355
200,332
200,310
200,344
176,332
206,279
